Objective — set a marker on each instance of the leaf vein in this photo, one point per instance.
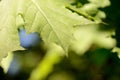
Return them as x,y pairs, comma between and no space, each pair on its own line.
39,8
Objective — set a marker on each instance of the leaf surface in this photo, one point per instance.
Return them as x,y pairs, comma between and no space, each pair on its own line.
50,18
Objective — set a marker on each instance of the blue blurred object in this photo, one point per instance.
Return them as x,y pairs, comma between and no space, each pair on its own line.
14,67
29,41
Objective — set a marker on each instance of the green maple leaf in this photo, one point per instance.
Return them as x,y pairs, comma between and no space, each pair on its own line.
50,18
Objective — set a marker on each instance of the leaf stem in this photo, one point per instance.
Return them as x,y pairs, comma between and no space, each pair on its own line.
78,11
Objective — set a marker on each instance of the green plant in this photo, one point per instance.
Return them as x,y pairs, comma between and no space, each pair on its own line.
65,26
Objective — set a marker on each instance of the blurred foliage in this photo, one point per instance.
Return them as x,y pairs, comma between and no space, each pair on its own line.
99,64
80,40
